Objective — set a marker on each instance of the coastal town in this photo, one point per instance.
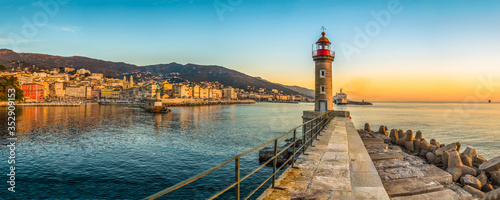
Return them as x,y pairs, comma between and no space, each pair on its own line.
70,84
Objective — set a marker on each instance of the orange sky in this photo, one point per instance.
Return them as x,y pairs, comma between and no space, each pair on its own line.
419,88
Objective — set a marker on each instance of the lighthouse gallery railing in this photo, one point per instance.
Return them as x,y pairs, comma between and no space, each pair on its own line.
312,129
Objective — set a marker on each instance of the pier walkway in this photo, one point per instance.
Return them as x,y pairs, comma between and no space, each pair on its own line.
337,166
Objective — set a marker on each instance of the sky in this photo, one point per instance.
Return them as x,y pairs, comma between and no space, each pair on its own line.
386,50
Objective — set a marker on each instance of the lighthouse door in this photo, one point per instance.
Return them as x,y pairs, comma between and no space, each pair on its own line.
322,105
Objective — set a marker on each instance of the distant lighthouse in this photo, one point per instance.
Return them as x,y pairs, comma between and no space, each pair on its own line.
323,56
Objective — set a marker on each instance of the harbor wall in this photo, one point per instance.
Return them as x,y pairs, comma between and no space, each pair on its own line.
337,166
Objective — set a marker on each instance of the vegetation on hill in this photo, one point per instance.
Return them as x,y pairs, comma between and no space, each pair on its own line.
7,83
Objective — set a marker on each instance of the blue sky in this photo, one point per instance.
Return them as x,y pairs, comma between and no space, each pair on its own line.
272,39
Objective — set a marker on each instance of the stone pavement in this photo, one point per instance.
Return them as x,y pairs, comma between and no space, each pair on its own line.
337,166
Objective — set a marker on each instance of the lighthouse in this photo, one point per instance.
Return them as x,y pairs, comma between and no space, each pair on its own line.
323,56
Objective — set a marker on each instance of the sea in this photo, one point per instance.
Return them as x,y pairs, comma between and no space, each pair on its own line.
120,152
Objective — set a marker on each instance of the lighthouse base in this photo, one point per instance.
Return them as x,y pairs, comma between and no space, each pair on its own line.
311,114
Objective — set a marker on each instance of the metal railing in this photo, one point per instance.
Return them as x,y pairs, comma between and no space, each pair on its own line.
311,130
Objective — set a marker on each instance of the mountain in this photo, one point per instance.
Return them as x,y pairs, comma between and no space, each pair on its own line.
47,61
301,90
191,72
225,76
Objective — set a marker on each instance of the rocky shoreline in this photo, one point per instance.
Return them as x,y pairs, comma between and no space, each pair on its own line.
413,168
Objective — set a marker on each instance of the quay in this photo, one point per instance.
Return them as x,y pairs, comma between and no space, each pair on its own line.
4,104
192,102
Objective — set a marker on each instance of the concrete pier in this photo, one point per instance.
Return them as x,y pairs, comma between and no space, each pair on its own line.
337,166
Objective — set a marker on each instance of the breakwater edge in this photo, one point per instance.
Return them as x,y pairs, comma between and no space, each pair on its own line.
410,165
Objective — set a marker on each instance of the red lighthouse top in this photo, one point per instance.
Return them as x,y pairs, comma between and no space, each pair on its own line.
323,47
323,39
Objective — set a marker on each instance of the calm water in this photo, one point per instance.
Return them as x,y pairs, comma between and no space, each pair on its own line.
114,152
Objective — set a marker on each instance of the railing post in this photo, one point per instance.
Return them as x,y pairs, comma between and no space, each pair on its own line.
275,161
294,143
304,140
237,177
311,134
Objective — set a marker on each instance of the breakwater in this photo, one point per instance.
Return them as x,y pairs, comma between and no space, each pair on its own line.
410,167
335,166
204,103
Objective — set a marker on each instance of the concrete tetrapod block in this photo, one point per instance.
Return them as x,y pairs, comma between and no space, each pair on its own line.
401,133
471,180
433,148
495,178
475,192
478,160
367,127
491,165
482,178
449,147
434,142
470,151
454,163
394,136
487,188
418,135
416,146
382,130
466,160
408,143
424,147
445,156
431,157
493,195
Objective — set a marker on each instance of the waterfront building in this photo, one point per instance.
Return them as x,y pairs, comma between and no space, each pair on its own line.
59,89
40,74
24,79
149,90
181,91
204,92
229,93
78,92
96,93
60,77
96,76
110,93
323,57
33,92
196,92
167,88
216,93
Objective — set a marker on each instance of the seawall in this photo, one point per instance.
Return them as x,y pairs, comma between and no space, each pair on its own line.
337,166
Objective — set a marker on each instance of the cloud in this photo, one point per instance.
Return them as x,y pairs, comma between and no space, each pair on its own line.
69,29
